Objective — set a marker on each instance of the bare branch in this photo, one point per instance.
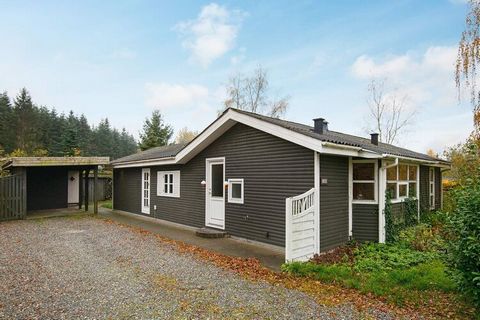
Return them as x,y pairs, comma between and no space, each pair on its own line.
388,115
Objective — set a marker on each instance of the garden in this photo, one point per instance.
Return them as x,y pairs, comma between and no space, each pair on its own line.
423,262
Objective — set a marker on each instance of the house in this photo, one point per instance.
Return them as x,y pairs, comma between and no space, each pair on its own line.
41,183
307,189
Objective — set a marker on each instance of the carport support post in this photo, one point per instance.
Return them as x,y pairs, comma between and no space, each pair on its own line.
80,193
87,171
95,182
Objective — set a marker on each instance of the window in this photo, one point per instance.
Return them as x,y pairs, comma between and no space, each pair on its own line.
364,181
235,191
168,183
402,181
431,179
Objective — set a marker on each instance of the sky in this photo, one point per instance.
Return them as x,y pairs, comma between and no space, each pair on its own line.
124,59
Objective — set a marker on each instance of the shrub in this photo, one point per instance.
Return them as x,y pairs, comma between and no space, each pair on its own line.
465,245
422,237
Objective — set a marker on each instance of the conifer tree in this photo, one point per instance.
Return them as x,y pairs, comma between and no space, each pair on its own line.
155,132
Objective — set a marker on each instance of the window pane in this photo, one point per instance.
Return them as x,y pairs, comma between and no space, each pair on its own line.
431,201
170,190
165,178
171,178
412,189
217,180
165,188
236,190
392,188
363,171
431,174
402,190
402,172
392,173
412,173
364,191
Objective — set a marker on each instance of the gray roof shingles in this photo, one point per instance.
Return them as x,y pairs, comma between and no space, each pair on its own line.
328,136
153,153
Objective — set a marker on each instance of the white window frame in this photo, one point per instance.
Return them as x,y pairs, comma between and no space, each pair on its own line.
407,182
230,195
375,182
175,184
431,187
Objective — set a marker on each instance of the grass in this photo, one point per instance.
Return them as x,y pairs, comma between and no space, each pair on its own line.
107,204
394,272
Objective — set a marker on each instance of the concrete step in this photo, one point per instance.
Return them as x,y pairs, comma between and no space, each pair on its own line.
211,233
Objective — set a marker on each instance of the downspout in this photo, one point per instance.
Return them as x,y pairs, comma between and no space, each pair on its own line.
382,186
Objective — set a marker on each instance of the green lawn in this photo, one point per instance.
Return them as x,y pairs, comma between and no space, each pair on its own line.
395,272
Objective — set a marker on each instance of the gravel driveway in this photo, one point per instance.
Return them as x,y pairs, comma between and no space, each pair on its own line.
85,268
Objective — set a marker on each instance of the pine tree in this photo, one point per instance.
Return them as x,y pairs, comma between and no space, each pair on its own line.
155,132
25,122
7,132
70,136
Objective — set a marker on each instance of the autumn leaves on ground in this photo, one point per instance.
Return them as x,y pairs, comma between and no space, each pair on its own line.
433,304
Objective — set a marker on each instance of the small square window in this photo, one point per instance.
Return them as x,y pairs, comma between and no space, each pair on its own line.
412,189
403,172
235,191
392,188
392,173
364,191
412,173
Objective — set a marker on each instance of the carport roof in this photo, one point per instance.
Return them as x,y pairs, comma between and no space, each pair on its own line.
54,161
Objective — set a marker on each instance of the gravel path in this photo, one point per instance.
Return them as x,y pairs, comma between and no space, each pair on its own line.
85,268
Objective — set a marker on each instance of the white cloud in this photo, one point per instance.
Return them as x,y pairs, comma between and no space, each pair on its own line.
165,96
426,78
211,34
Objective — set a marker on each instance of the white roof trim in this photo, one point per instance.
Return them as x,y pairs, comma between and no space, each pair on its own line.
231,117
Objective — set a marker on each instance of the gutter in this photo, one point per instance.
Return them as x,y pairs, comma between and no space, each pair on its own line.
142,162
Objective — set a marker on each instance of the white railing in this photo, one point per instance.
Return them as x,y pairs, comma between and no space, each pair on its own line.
301,238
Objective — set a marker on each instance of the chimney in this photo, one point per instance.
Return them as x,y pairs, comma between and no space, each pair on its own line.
374,138
320,125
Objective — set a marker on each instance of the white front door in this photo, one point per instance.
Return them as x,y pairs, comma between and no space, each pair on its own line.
146,191
73,187
215,193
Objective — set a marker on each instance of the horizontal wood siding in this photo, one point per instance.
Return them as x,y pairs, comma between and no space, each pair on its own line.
365,222
424,189
333,202
127,189
272,168
47,188
438,188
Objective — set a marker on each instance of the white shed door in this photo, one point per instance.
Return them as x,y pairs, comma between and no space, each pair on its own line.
73,186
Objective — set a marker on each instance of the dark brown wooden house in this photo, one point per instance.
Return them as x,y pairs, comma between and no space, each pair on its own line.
305,188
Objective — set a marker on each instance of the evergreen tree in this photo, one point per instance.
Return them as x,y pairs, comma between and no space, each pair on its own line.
70,136
7,135
29,130
155,132
25,122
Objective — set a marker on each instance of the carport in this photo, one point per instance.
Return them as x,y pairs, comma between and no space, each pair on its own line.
41,183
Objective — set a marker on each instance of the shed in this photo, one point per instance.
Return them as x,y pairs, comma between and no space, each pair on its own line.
40,183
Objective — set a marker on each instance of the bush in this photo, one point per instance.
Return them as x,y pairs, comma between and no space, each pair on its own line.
422,238
465,245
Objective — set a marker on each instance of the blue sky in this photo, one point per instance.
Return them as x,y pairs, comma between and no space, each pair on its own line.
122,59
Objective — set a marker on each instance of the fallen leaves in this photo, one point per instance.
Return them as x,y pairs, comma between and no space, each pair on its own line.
440,306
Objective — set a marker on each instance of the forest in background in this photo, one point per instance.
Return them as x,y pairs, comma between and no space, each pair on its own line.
27,129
